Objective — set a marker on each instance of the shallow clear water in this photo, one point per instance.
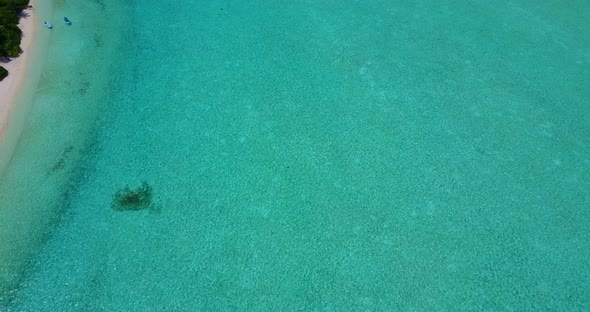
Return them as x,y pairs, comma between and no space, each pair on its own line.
309,156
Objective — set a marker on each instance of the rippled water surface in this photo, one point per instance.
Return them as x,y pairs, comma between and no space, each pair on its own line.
304,155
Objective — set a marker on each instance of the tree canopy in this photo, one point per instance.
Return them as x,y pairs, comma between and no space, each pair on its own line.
10,34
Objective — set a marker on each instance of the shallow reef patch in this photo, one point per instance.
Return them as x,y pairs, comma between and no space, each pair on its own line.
128,199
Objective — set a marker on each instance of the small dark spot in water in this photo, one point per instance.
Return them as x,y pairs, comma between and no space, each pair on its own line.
100,4
98,42
128,199
61,162
59,165
84,88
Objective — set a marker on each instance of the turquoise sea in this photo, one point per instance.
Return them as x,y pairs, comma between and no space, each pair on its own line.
304,156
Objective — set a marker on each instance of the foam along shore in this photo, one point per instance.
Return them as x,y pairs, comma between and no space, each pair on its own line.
12,86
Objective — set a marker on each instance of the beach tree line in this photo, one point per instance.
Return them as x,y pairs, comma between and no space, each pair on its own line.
10,34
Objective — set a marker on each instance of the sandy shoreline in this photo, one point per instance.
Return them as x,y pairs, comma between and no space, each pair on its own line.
17,68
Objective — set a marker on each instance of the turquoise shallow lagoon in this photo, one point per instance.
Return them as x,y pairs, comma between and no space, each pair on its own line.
305,155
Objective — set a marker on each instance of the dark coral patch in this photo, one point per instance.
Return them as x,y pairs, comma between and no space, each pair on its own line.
127,199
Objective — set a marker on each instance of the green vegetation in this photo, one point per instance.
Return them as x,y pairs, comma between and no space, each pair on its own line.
3,73
127,199
10,34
